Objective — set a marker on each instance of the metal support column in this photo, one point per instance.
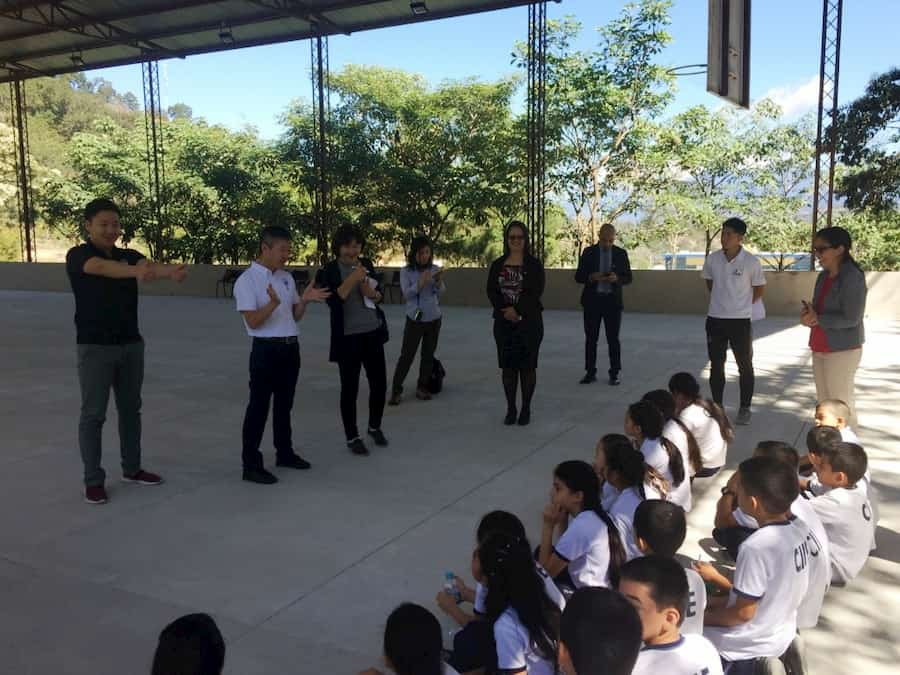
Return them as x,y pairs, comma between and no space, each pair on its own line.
537,97
156,168
19,117
321,114
829,72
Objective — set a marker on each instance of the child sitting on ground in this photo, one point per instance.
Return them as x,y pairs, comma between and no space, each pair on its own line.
589,551
600,632
845,509
676,431
644,423
817,438
658,589
705,419
660,528
833,412
758,619
412,643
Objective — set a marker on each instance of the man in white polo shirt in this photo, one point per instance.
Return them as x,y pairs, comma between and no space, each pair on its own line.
267,298
735,280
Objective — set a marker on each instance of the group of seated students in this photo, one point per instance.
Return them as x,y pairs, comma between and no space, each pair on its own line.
606,591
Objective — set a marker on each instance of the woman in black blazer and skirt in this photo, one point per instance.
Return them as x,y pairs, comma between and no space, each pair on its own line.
514,286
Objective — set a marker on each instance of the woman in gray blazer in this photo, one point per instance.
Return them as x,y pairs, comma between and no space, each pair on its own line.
835,318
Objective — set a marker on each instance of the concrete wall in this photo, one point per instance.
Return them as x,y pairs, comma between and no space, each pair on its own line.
674,292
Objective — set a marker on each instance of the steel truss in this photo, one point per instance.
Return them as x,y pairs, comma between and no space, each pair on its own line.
22,162
321,98
156,166
537,108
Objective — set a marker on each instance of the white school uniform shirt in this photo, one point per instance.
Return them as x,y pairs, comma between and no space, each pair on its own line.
675,433
514,650
447,669
713,448
585,547
550,588
250,294
819,564
849,436
656,456
689,655
693,617
621,509
733,282
847,517
772,568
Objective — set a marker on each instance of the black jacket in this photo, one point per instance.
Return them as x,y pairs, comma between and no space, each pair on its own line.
330,277
529,305
589,262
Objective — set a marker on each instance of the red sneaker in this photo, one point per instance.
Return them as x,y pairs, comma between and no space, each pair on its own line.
142,477
95,494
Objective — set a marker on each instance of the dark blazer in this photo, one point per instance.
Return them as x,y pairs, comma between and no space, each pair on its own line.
330,277
529,305
589,262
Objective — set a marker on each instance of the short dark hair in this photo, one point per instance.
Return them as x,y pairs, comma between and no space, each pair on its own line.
344,235
771,481
601,631
662,525
665,578
736,224
818,438
272,233
190,645
95,206
848,458
779,450
500,521
413,641
836,407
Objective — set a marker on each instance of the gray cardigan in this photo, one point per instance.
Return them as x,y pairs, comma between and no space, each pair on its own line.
845,305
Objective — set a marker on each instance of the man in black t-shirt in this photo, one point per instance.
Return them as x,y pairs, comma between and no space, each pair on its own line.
110,348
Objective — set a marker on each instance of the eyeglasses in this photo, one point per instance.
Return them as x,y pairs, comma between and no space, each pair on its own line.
516,237
820,249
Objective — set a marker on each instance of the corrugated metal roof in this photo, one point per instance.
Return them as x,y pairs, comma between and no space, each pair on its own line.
47,38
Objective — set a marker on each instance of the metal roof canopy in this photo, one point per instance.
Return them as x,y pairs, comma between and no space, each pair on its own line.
49,38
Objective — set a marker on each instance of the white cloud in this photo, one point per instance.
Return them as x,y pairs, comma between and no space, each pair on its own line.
795,99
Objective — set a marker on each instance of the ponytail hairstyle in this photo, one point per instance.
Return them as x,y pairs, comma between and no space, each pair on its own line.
580,477
622,458
687,385
650,420
413,641
664,400
513,582
838,236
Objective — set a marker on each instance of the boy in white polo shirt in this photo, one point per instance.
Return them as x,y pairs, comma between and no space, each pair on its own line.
759,617
266,296
657,587
845,510
735,280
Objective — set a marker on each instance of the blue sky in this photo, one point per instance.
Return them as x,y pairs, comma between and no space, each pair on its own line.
253,86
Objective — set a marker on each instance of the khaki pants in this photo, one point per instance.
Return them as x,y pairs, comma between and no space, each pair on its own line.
835,373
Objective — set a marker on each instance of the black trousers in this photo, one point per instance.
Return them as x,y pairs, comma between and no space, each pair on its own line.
602,309
274,368
365,350
737,334
426,332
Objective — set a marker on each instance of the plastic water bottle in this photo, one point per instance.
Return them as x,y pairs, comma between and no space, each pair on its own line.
450,588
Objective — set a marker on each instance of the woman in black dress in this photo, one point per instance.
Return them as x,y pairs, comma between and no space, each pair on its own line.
514,286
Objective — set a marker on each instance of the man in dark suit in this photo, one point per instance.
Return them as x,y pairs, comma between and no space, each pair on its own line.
603,269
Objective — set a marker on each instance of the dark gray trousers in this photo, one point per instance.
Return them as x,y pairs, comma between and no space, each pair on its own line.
101,368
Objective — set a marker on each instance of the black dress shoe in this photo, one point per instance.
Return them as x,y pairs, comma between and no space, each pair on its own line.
378,436
588,379
524,417
259,475
614,381
357,447
293,462
510,418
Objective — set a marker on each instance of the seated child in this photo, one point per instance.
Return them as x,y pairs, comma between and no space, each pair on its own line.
590,549
623,472
706,421
677,431
816,438
833,412
644,423
758,619
845,510
600,632
660,528
412,643
191,645
658,589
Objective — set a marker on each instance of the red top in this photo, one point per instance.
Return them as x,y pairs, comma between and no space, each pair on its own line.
818,341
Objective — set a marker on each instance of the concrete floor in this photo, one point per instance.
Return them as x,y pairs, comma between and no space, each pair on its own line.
301,575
